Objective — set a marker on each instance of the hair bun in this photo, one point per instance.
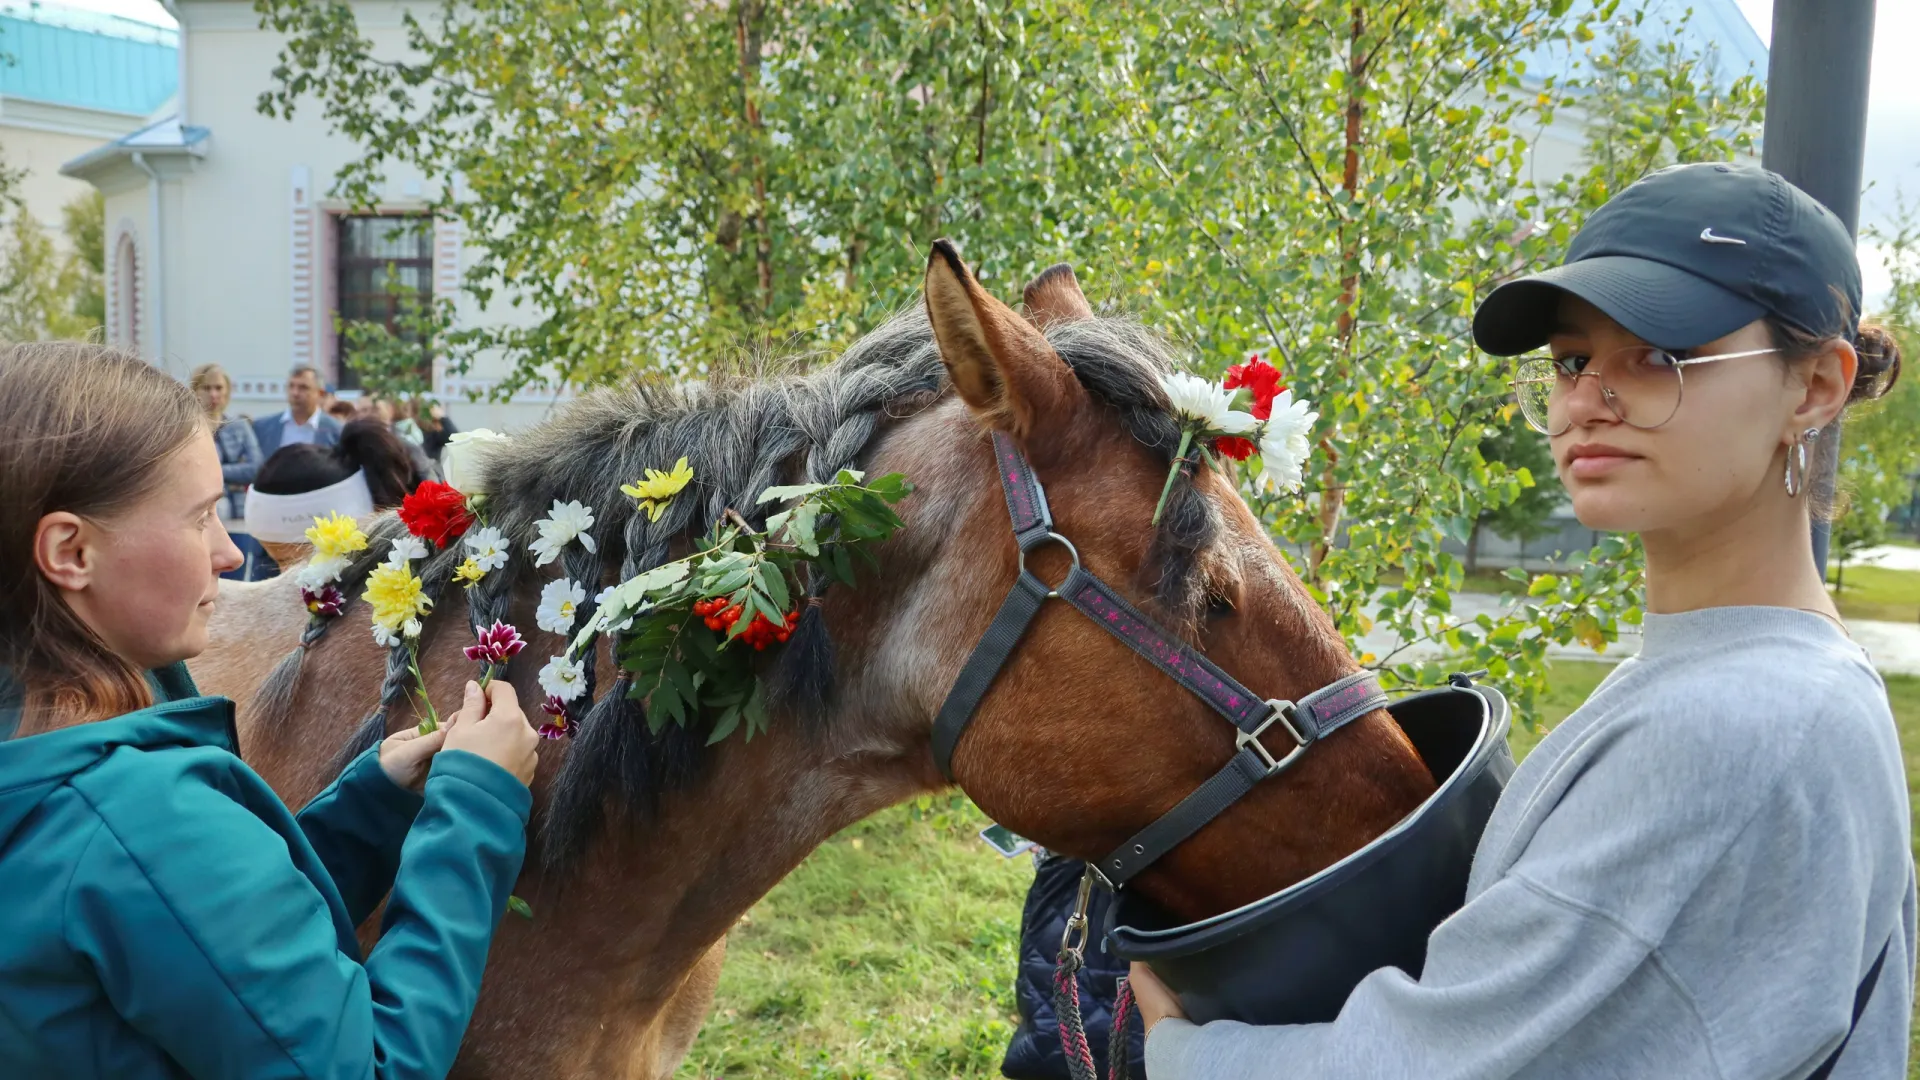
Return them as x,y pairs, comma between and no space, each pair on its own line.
1879,353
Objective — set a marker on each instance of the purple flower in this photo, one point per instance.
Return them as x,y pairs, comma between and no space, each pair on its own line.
559,725
497,644
327,600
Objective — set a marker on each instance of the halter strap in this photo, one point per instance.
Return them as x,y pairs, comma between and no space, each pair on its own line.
1307,721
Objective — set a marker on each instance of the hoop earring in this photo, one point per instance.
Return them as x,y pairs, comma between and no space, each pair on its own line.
1796,477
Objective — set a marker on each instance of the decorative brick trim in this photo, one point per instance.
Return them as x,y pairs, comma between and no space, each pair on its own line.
446,281
125,293
302,309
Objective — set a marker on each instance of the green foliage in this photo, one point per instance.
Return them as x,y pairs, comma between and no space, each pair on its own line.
44,293
1333,185
688,665
1880,441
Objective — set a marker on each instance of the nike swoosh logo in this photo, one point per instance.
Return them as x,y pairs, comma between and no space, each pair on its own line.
1707,236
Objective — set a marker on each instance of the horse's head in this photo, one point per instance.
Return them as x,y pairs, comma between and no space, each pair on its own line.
1081,742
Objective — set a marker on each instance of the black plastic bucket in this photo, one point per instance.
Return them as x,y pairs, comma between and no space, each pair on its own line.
1293,957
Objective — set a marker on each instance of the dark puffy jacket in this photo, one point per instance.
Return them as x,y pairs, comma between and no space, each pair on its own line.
1035,1051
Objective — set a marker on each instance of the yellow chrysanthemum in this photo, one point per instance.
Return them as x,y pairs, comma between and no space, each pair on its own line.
469,573
336,536
659,488
395,595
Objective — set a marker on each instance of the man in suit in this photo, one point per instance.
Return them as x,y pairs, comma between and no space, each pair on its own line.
302,422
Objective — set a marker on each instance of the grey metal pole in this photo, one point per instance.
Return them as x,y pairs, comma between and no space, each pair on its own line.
1816,137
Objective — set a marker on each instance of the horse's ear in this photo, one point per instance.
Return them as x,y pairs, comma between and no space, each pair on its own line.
1055,296
999,363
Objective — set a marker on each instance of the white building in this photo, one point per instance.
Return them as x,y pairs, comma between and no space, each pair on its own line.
223,245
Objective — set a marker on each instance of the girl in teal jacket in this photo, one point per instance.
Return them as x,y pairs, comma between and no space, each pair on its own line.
167,914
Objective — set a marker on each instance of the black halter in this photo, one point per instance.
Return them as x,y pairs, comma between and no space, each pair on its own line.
1306,721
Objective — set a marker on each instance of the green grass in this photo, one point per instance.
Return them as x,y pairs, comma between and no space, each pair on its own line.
1875,593
890,952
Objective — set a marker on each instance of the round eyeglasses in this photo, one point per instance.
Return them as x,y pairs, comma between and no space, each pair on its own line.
1640,384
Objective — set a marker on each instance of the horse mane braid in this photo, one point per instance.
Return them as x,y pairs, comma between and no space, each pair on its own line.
741,432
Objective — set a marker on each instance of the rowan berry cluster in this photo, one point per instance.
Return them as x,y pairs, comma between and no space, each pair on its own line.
760,633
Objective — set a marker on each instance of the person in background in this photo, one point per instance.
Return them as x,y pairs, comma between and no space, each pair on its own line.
435,425
342,411
240,455
404,424
302,422
387,473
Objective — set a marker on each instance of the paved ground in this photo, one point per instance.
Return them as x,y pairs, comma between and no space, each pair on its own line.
1890,558
1895,647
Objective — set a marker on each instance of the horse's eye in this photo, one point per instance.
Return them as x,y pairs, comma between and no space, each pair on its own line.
1218,607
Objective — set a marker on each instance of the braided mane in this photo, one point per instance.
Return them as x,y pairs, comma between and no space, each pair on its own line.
741,435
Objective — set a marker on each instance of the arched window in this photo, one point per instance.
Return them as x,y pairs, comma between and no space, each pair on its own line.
124,328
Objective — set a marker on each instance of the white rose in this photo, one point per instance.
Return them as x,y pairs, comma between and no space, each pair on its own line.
461,461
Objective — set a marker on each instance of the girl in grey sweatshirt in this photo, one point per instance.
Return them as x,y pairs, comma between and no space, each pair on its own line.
1706,871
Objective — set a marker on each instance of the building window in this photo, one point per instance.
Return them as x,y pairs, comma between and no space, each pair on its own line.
383,272
126,296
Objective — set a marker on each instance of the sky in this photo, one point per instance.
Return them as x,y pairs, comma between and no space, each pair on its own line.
1893,107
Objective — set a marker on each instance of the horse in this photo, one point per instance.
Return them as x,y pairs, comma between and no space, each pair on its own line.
646,847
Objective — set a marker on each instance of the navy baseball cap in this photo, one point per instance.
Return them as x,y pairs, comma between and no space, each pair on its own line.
1687,255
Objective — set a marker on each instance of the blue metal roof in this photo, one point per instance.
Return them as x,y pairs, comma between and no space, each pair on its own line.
71,57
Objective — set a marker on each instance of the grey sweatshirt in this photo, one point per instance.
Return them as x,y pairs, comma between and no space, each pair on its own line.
1687,878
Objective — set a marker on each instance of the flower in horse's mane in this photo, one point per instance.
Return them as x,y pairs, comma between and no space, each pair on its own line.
658,489
1235,447
1199,402
563,679
405,549
1283,446
488,548
560,603
1261,379
326,600
398,601
497,644
468,573
565,523
437,512
460,461
560,725
335,536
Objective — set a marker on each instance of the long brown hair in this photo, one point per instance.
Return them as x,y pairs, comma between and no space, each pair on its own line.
83,428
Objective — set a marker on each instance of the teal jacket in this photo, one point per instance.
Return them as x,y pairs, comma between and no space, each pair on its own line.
166,915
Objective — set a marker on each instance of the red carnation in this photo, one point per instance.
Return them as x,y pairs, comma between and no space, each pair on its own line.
1260,377
436,512
1233,446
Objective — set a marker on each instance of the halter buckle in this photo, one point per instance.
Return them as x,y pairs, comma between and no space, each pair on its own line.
1282,714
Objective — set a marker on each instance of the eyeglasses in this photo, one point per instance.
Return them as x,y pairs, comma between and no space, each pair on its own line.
1640,384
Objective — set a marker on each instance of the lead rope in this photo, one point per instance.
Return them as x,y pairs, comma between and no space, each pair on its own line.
1066,987
1117,1049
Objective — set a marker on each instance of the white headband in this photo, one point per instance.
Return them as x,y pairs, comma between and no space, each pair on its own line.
285,519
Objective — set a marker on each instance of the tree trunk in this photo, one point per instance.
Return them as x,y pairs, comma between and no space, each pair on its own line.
1473,546
747,34
1332,495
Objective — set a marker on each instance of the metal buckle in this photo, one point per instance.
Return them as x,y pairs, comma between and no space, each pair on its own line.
1282,714
1053,594
1073,941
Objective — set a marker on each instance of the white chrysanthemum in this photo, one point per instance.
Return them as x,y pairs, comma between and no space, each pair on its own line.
488,547
411,628
560,603
322,571
1196,399
406,549
460,461
384,637
563,679
1283,446
565,523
